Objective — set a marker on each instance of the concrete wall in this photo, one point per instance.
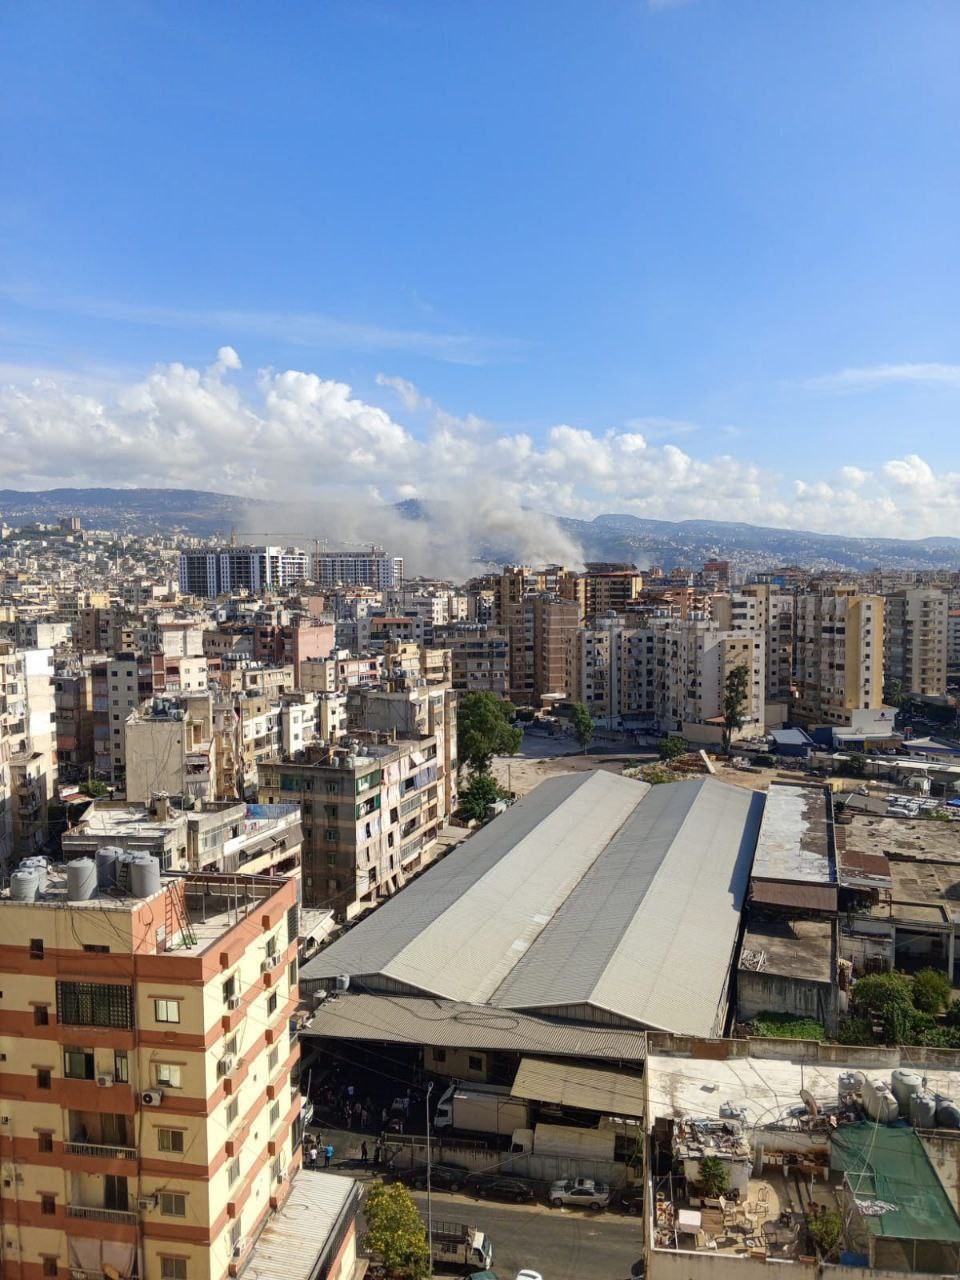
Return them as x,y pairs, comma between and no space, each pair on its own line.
762,992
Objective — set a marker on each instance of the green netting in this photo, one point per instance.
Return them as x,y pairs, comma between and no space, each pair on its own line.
890,1165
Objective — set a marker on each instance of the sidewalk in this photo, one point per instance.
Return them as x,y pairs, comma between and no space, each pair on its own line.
346,1148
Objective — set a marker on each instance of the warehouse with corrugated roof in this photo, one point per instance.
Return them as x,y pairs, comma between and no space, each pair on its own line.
595,899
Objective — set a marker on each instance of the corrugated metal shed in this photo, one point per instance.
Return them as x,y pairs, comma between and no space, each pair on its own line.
448,1024
290,1245
650,932
594,890
801,897
602,1089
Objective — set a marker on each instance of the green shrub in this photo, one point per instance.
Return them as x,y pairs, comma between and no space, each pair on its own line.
931,991
787,1026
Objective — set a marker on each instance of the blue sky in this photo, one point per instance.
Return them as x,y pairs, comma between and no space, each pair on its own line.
678,259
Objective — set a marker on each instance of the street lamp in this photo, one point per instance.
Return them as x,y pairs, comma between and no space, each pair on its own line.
426,1106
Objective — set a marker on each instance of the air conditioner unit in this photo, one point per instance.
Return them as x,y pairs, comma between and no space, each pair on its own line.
226,1065
233,1002
146,1203
271,962
239,1247
152,1097
105,1079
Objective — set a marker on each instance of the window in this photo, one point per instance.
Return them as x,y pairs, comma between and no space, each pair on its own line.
271,947
439,1055
173,1204
273,1060
274,1115
330,835
170,1140
78,1064
173,1268
94,1004
41,1015
36,948
43,1078
233,1171
168,1074
233,1110
48,1204
49,1266
45,1141
229,989
230,1046
121,1070
271,1003
293,924
292,972
166,1010
96,948
475,1062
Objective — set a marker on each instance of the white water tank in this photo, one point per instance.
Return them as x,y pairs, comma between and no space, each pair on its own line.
81,880
923,1110
25,884
40,865
122,871
144,875
879,1102
107,866
948,1113
905,1083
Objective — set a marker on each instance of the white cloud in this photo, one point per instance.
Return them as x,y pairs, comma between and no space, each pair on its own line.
408,394
295,436
921,374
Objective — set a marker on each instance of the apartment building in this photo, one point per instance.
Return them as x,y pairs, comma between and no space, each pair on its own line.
374,568
212,571
953,639
73,713
608,588
292,642
756,607
149,1124
839,654
171,750
120,684
479,657
27,749
915,641
412,663
542,630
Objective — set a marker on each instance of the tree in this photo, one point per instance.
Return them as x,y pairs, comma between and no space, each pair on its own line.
894,692
825,1229
395,1231
734,700
931,991
712,1176
485,730
476,797
886,999
672,747
857,764
582,724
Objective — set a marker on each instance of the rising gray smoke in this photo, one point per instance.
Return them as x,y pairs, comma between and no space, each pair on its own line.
454,540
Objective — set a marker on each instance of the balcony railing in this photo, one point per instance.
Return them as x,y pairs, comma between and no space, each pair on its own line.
99,1151
102,1215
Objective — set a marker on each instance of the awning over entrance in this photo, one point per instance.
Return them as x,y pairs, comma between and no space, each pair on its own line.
602,1089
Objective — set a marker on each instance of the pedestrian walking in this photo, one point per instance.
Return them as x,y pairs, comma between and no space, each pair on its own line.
327,1155
364,1154
377,1154
313,1155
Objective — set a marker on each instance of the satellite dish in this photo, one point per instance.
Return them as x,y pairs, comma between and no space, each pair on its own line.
809,1101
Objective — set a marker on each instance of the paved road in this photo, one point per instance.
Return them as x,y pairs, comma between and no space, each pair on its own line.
562,1244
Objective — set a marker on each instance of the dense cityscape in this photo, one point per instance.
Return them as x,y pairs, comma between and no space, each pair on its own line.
318,860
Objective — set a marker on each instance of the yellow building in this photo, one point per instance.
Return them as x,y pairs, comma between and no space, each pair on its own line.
839,654
148,1123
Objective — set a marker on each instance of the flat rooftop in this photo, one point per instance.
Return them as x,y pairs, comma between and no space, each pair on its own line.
117,817
794,841
921,838
767,1089
789,949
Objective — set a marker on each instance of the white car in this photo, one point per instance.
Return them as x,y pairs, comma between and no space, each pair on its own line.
584,1192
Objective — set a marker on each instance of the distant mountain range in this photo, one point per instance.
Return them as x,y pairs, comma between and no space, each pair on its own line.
607,537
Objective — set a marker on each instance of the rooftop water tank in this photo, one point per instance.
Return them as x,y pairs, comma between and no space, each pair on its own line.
923,1110
40,865
879,1102
144,875
107,866
25,885
948,1113
905,1083
81,880
122,871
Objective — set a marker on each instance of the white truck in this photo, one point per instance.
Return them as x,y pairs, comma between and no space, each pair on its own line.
564,1140
480,1108
455,1244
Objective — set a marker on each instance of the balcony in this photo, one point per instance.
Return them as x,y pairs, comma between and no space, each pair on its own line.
97,1151
119,1216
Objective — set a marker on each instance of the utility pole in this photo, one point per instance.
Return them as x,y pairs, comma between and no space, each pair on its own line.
426,1107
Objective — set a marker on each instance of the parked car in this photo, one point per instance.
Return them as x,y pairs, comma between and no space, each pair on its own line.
584,1192
631,1201
443,1177
491,1186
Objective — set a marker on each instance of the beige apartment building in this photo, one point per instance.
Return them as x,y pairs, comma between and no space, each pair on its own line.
915,641
762,606
479,657
839,654
542,630
149,1124
27,749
